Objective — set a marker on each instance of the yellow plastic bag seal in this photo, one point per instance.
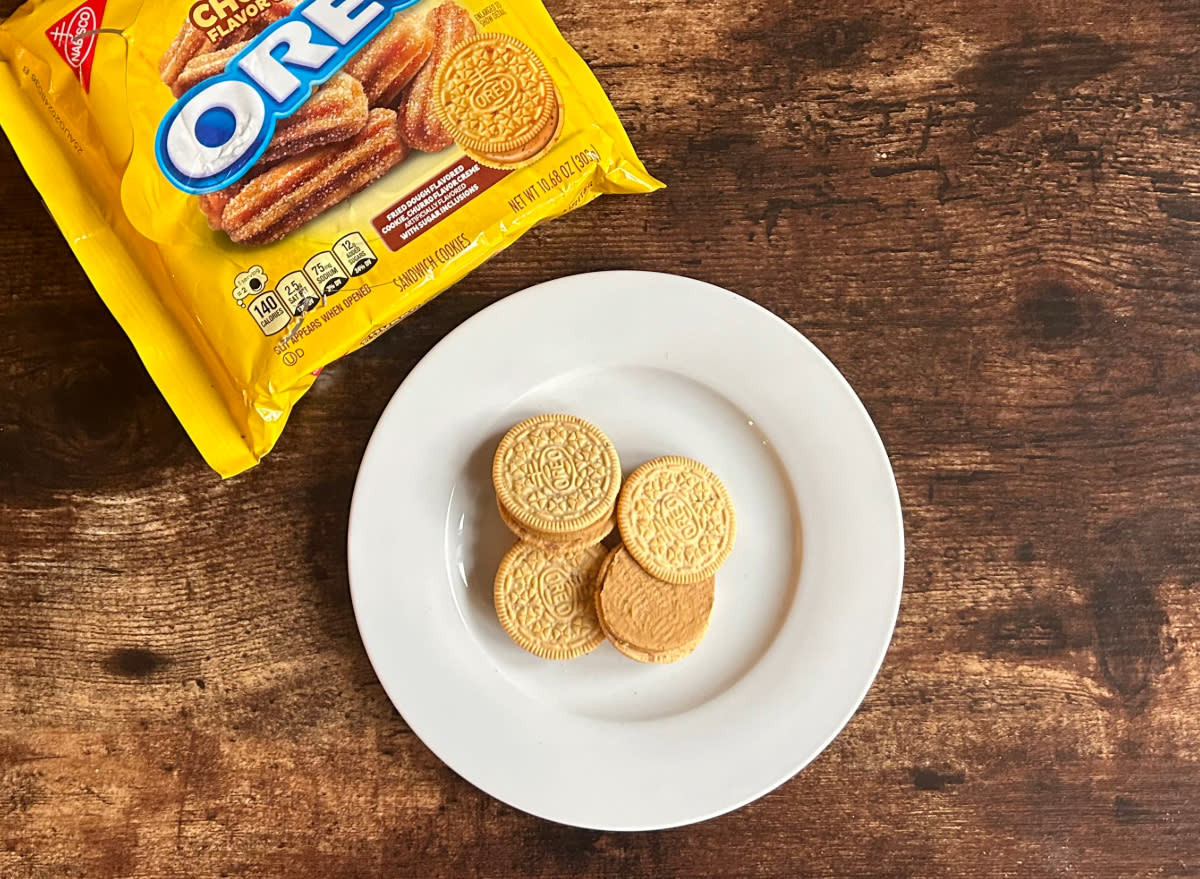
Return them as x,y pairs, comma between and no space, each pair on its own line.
259,187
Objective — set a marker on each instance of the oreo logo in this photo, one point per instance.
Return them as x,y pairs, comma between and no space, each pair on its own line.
217,130
556,470
680,518
554,589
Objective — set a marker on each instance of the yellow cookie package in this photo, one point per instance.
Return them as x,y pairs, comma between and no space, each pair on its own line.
259,187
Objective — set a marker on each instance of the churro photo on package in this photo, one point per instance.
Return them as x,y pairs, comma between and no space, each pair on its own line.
259,187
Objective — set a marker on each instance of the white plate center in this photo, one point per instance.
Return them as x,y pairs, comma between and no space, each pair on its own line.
647,412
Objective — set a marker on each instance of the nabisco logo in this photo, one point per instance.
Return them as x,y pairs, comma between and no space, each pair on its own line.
74,38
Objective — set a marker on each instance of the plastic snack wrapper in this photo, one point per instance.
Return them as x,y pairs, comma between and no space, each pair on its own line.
259,187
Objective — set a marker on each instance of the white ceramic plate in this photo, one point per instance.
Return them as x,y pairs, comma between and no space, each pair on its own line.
805,605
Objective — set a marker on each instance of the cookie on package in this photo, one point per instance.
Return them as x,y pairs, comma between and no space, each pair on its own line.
496,99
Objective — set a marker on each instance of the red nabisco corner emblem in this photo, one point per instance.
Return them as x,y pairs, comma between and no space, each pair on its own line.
74,37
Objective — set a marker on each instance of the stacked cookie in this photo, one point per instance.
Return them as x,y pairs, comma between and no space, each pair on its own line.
558,592
556,479
655,593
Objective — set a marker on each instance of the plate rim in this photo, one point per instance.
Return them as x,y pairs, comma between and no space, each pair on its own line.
894,514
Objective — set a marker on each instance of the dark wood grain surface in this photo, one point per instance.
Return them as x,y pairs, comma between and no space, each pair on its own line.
987,214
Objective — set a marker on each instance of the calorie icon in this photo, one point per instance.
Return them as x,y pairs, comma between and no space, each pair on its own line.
269,312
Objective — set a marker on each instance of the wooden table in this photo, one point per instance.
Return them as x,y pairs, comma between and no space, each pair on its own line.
987,214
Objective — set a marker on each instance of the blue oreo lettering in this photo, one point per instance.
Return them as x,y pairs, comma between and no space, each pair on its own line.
219,128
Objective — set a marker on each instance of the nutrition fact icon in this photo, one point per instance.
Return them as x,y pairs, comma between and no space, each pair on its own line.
355,254
299,292
326,273
299,295
269,311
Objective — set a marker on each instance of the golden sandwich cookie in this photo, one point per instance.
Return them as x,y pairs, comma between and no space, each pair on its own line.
546,601
572,541
556,475
497,100
526,155
646,618
677,519
638,655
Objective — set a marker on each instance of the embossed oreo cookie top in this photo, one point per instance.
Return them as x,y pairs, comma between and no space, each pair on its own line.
677,520
546,601
556,474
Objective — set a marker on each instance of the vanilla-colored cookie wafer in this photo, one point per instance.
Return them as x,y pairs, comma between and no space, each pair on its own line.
546,601
556,474
569,542
677,519
647,618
